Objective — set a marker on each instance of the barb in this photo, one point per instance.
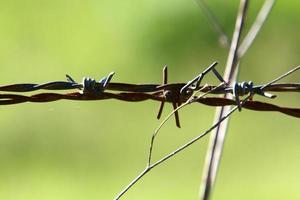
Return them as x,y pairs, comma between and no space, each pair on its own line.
170,96
195,82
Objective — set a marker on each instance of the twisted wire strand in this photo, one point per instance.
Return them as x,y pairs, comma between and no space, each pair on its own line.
8,99
90,89
127,87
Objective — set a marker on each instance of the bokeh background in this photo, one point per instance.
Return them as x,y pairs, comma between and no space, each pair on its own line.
69,150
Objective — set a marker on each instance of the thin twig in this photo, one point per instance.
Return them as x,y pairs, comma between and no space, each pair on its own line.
168,156
159,127
217,139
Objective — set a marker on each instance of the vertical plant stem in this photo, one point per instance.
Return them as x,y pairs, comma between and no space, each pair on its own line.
256,27
216,25
217,139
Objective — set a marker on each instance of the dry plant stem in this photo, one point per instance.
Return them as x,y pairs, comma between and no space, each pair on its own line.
217,139
256,27
216,25
186,145
158,129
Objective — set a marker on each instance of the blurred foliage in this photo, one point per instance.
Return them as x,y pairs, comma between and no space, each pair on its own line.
90,150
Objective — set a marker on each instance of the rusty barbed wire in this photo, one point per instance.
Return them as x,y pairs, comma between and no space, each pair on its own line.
175,93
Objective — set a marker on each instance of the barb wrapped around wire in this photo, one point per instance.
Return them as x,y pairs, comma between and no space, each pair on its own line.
175,93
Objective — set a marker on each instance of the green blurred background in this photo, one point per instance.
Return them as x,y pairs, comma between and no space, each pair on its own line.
69,150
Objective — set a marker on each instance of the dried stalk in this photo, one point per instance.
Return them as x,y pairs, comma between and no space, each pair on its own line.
217,139
216,25
256,27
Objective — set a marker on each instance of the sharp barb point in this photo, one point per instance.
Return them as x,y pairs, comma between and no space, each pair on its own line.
176,115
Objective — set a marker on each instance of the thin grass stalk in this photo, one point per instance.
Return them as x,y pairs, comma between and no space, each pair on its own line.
217,139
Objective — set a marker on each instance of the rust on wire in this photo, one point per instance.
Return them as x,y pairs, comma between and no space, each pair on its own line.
174,93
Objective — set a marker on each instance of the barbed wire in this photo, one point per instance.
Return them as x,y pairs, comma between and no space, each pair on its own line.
176,93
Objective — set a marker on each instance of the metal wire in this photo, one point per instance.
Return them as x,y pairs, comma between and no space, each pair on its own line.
90,89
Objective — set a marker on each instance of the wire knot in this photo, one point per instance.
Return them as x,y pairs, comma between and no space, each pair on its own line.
241,89
91,86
